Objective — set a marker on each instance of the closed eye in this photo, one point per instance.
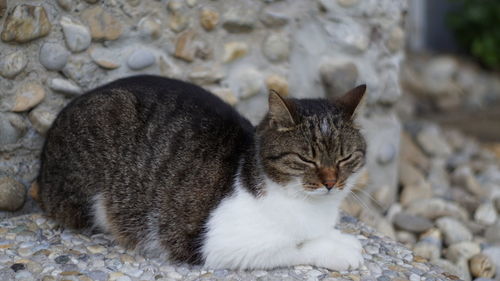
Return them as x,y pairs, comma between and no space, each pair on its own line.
306,160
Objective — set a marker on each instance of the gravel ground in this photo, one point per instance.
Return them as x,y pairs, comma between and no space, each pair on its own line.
33,248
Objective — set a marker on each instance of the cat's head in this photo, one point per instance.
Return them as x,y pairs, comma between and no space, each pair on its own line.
313,142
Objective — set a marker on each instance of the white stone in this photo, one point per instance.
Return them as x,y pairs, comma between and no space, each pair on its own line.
453,230
141,58
12,64
53,56
65,86
150,27
462,250
276,47
486,214
247,82
77,35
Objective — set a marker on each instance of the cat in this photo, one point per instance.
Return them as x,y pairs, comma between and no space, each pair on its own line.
168,168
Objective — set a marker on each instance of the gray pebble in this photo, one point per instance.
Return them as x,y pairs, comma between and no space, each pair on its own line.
77,35
140,59
53,56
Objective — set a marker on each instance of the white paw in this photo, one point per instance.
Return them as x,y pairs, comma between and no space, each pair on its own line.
342,252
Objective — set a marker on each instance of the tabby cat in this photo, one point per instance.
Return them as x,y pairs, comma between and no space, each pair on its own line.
168,168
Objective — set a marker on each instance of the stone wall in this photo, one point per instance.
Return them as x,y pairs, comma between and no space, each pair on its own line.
54,50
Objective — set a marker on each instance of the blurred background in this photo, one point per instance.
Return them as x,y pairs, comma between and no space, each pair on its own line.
431,115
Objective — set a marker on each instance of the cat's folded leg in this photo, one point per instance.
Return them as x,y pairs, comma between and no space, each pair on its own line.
336,251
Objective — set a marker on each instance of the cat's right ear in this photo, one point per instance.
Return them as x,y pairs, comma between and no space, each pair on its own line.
281,110
350,100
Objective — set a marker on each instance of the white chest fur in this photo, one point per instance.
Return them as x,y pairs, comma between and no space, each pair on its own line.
280,228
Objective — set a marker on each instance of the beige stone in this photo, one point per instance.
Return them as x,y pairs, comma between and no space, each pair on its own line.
178,21
184,48
481,266
209,18
103,26
12,64
34,191
27,96
396,39
25,23
234,50
277,83
12,194
104,58
41,119
226,95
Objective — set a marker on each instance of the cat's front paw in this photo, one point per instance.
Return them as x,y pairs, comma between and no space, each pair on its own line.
342,252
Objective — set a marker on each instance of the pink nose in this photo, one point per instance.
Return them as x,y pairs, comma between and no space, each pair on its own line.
329,184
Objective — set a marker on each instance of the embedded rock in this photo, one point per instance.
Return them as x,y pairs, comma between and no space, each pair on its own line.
209,18
25,23
77,35
239,19
65,86
12,194
53,56
276,47
234,51
27,96
140,59
12,128
42,119
104,57
184,47
103,26
12,64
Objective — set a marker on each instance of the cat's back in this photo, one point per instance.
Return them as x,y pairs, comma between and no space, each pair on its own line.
141,139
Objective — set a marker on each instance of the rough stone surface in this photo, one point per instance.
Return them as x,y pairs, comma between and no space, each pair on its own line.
3,7
25,23
12,64
65,254
12,194
53,56
188,43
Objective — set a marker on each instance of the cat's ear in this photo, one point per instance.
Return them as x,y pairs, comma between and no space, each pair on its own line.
281,110
350,100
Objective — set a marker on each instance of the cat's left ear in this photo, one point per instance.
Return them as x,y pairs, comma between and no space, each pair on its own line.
350,100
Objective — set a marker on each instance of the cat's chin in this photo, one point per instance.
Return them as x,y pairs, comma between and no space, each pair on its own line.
320,192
